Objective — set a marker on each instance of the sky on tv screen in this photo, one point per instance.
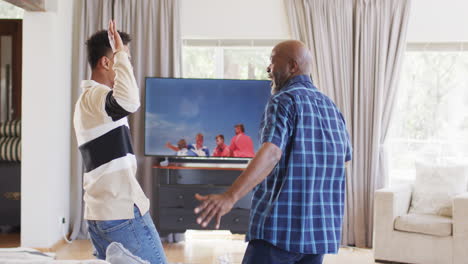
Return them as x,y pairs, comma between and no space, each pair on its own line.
181,108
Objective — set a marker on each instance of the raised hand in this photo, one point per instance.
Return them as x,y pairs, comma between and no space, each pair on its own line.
114,38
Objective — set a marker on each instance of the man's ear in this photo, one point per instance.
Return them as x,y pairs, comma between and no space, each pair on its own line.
104,62
293,66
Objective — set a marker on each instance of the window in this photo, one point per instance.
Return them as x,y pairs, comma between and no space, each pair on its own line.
431,115
226,59
10,61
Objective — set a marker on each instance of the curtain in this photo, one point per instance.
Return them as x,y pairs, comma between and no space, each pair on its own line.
154,26
357,48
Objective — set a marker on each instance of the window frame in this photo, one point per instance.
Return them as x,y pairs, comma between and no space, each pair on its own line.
221,44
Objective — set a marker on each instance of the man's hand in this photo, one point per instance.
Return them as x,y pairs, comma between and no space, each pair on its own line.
114,38
213,205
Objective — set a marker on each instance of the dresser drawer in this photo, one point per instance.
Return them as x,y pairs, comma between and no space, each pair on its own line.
10,194
174,220
197,176
183,196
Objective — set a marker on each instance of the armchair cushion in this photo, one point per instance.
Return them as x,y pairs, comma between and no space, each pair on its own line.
435,188
425,224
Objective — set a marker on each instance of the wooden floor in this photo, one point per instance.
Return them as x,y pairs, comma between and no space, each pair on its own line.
199,247
9,240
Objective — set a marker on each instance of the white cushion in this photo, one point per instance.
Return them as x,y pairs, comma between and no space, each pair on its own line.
436,186
116,253
425,224
24,261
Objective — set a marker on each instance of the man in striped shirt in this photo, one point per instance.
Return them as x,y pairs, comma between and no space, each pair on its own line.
115,206
297,176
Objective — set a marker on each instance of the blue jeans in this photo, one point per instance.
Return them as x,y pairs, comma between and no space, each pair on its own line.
262,252
138,235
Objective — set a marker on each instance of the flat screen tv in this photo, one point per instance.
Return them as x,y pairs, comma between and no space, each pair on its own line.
184,117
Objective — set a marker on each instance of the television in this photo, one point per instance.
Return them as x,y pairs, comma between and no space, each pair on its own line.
178,111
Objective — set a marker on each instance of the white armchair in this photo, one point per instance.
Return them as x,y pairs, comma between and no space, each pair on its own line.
418,238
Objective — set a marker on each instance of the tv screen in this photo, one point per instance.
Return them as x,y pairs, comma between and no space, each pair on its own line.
190,117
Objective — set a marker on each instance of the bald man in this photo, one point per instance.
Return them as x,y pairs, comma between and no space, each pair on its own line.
297,176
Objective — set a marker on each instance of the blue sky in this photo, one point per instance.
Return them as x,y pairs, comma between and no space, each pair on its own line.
181,108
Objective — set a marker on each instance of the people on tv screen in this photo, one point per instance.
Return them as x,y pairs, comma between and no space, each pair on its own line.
221,150
191,150
241,144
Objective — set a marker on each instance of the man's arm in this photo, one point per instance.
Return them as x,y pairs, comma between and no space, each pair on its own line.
124,97
125,91
232,146
170,146
226,152
217,205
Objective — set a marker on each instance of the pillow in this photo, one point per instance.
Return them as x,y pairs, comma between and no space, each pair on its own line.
116,253
435,188
29,261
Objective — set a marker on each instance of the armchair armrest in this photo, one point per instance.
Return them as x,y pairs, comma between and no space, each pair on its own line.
460,213
460,228
389,203
392,202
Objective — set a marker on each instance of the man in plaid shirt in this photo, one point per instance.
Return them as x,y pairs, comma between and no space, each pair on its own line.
297,176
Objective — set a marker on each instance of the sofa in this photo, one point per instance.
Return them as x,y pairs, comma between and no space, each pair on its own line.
406,235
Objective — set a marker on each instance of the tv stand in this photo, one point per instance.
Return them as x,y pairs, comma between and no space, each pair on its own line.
203,166
175,186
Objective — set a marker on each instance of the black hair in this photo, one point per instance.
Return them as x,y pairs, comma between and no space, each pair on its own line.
241,126
98,46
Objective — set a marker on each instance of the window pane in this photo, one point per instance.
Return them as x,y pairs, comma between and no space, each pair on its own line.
6,89
198,62
431,118
246,63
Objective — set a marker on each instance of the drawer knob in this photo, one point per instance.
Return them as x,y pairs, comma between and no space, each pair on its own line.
180,219
180,197
15,196
236,220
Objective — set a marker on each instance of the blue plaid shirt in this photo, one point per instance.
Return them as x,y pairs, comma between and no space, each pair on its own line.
299,206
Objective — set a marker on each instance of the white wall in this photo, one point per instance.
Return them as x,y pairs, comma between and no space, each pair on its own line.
45,166
438,21
228,19
430,20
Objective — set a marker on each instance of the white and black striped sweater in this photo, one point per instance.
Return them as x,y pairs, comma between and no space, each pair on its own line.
103,135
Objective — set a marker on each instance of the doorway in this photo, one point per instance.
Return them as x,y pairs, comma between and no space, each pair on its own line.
10,129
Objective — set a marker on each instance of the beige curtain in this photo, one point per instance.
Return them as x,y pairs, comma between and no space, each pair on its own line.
154,26
357,48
